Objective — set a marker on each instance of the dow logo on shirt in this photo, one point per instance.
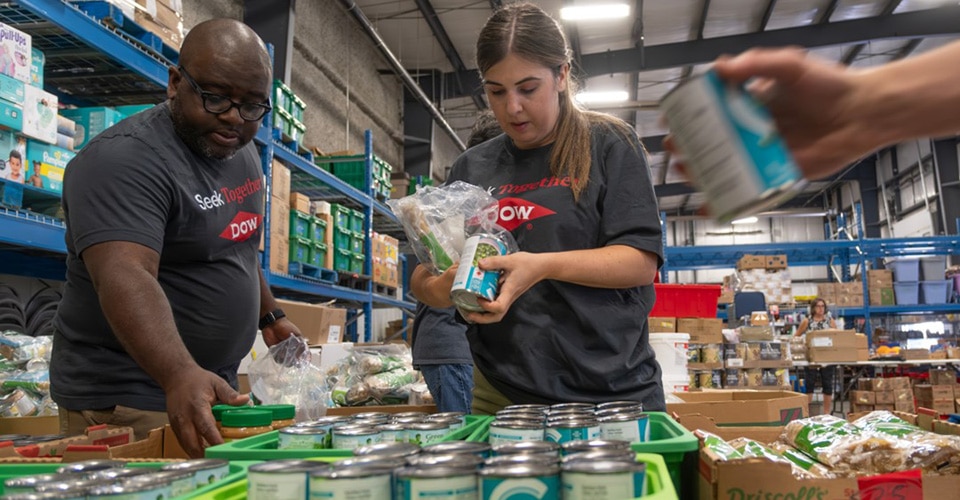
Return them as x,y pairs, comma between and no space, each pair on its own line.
242,227
517,211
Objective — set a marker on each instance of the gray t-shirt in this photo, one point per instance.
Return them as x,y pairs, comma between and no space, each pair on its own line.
437,338
560,341
138,182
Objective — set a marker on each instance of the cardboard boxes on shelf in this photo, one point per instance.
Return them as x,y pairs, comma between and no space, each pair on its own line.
836,346
891,394
318,324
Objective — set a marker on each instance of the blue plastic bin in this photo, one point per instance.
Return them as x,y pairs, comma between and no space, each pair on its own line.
905,270
936,291
933,268
907,292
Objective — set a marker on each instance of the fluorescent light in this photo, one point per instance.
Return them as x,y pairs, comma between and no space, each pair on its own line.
746,220
593,12
602,97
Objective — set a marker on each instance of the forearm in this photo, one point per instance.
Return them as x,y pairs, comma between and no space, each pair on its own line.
429,289
141,318
614,266
915,97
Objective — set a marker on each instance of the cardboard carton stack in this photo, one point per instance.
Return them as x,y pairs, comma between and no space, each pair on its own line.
836,346
880,286
891,394
386,253
941,393
280,218
767,274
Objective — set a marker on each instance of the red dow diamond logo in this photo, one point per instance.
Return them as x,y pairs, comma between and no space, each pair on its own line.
242,227
515,211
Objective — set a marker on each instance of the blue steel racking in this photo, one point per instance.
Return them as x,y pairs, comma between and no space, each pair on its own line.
90,64
826,253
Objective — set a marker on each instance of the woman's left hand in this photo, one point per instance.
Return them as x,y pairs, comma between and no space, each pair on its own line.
521,271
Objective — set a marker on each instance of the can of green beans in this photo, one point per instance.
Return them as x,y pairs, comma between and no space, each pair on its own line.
471,282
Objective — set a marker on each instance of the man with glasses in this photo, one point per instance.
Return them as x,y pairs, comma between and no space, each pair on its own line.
164,214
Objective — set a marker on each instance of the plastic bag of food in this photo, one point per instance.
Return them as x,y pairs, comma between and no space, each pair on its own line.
846,450
437,220
286,375
722,449
801,460
932,452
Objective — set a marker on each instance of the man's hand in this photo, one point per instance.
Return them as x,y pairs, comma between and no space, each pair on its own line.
190,395
278,331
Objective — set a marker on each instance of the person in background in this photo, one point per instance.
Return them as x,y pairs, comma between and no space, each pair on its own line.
570,321
163,214
438,341
831,115
819,319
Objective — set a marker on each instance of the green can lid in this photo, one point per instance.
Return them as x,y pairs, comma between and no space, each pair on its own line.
247,418
280,412
219,409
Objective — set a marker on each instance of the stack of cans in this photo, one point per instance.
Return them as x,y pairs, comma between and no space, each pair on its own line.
362,429
564,422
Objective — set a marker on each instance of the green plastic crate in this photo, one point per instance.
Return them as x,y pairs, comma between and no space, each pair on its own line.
297,131
296,107
264,446
319,233
301,225
356,262
318,254
342,259
356,221
281,95
356,242
341,216
237,472
300,249
342,239
668,439
659,486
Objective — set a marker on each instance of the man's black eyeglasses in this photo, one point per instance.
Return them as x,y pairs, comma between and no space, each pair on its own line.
218,104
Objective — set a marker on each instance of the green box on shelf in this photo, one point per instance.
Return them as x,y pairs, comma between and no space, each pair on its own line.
296,107
342,239
297,131
342,259
356,242
341,216
356,221
318,254
678,447
281,95
300,249
319,233
356,262
302,225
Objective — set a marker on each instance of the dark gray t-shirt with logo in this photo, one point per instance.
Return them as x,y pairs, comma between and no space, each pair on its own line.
138,182
562,342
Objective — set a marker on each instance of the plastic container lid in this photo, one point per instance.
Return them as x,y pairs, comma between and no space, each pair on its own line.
247,418
219,409
280,412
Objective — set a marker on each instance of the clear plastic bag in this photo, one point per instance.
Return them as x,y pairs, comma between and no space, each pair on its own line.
287,375
437,220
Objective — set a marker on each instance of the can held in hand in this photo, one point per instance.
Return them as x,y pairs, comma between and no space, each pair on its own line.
732,150
472,282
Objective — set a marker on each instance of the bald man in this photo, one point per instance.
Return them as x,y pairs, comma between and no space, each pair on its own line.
164,290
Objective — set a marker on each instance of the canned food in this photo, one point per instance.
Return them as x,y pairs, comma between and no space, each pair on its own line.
393,433
520,481
471,282
527,447
371,461
620,404
424,433
562,431
119,474
693,353
732,151
710,353
705,379
508,431
80,494
90,466
603,480
180,482
569,413
593,445
437,483
627,455
281,479
455,447
388,450
353,437
372,415
446,415
205,470
539,408
327,424
518,458
532,416
407,414
302,438
132,490
559,407
460,460
361,483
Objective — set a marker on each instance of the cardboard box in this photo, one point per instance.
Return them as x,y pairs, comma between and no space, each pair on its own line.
880,278
328,239
756,333
695,421
33,426
279,255
39,114
49,162
300,202
863,397
940,376
884,398
915,353
16,49
91,121
744,407
881,296
280,182
702,330
927,392
778,261
752,262
318,324
662,325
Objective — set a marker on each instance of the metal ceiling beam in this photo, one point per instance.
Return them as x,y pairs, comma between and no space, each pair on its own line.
931,22
939,21
440,34
772,4
908,48
853,52
701,25
828,12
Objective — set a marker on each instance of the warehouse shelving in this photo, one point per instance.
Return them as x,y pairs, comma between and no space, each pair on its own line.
843,252
89,64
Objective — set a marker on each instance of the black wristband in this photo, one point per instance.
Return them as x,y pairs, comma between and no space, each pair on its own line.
270,317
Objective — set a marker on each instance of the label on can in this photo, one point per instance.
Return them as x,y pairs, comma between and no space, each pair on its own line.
572,430
471,281
733,152
436,484
502,432
629,427
520,481
584,485
355,484
302,438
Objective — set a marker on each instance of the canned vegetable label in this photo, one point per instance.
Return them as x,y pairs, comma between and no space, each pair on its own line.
471,281
732,150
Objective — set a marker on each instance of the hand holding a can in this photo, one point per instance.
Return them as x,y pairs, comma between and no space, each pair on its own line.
518,273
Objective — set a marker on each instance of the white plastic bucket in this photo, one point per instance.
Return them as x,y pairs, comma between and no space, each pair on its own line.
671,352
673,384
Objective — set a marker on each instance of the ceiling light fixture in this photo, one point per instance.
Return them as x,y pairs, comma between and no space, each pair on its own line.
746,220
594,12
602,97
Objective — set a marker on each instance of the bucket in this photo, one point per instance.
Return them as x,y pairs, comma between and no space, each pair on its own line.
676,383
671,353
